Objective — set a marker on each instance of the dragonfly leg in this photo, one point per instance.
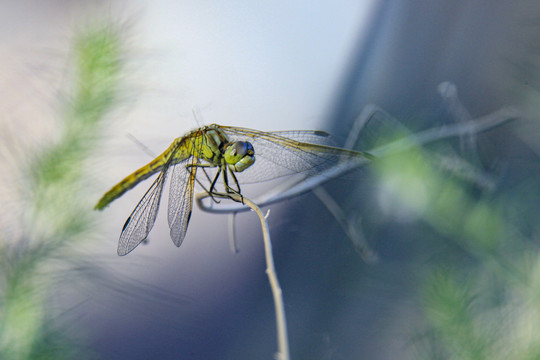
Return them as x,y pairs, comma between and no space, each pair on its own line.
237,187
236,182
212,190
202,166
226,181
228,188
206,174
213,185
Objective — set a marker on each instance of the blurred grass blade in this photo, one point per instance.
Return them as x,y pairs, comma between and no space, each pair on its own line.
56,213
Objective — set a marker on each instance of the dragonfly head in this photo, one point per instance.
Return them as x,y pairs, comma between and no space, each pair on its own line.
239,155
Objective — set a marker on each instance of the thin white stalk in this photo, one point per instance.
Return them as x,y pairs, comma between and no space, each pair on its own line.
281,322
232,233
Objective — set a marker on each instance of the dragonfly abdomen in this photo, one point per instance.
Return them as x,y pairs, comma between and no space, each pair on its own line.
156,165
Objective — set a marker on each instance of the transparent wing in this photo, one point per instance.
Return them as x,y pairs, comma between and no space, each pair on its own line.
143,217
283,153
181,199
308,136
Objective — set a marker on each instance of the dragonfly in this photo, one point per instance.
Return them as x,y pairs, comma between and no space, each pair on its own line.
220,151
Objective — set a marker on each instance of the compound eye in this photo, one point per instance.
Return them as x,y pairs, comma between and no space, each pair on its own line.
240,155
240,149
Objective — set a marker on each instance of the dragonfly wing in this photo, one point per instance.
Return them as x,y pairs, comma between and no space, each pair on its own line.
181,199
283,153
143,217
308,136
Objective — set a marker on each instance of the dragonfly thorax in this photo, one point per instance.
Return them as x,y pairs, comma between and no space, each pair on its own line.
239,155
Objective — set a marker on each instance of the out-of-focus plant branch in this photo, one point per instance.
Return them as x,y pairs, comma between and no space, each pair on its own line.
56,214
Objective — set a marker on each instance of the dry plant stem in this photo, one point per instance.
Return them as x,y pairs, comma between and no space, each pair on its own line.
358,239
281,322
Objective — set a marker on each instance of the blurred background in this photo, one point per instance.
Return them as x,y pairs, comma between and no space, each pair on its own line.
453,222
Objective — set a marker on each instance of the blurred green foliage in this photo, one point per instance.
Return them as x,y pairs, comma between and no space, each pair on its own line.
479,292
56,213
